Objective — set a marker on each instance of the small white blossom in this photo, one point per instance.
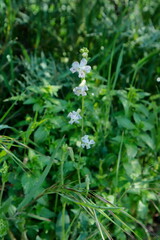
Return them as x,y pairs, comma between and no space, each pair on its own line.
75,116
82,68
86,142
81,90
158,79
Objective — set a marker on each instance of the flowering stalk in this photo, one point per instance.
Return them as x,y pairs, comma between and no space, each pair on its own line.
82,69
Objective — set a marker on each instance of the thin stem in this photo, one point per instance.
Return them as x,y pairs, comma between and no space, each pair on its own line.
12,237
1,194
56,202
63,221
82,133
78,173
118,162
62,175
82,114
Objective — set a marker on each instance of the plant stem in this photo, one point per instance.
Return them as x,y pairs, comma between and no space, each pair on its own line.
63,221
1,194
62,175
12,237
82,132
118,162
56,202
82,126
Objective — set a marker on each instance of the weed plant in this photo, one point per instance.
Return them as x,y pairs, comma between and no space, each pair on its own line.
79,153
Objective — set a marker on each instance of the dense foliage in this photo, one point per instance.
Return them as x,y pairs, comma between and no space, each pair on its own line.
51,188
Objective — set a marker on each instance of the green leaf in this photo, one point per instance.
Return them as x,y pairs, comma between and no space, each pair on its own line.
133,169
141,108
5,206
125,123
131,150
148,140
40,134
62,221
4,126
30,100
27,181
118,68
142,210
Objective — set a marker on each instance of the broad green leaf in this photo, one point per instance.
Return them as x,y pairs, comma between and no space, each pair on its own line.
40,134
142,210
125,123
148,140
133,169
30,100
27,181
131,150
141,108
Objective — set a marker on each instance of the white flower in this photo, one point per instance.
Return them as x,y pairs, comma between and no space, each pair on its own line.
86,142
82,68
75,116
81,90
158,79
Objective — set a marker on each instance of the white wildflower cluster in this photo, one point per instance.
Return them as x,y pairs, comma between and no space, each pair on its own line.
82,69
81,89
86,142
75,116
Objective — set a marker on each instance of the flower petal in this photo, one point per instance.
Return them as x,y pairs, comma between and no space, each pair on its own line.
92,142
87,69
83,62
81,74
75,64
73,70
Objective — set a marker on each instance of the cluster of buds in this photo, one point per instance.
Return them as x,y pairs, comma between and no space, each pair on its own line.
82,69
